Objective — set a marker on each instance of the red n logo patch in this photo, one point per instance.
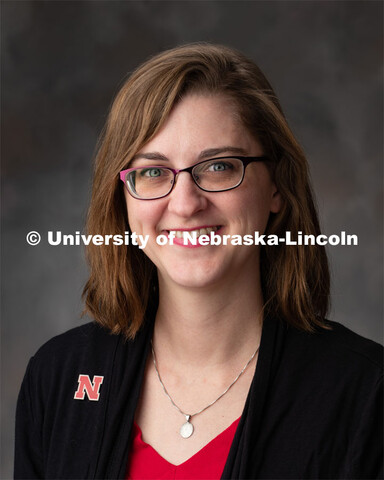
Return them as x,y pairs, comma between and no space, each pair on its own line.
88,387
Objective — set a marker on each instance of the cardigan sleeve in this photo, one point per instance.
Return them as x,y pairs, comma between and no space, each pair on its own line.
29,462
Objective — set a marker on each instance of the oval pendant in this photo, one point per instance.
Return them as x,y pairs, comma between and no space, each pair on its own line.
186,430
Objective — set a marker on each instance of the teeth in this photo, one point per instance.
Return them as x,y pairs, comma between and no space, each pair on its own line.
197,232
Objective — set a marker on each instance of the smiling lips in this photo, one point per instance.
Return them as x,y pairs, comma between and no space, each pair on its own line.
181,238
197,232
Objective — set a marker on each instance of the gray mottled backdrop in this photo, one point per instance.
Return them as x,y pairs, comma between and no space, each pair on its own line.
62,63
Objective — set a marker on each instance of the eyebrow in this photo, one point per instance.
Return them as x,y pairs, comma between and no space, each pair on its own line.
208,153
150,156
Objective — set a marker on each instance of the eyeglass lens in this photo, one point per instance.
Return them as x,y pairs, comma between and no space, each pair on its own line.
211,175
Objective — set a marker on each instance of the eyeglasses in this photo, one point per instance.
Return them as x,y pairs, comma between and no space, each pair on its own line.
213,175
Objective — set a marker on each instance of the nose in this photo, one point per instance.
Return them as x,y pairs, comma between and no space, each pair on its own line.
186,198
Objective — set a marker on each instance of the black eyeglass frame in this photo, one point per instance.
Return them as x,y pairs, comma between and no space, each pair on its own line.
245,161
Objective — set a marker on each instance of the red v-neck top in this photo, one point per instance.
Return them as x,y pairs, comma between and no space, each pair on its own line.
208,463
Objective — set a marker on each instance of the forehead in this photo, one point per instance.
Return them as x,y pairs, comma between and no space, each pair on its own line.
201,122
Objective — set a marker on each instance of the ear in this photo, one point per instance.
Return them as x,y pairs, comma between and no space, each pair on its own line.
276,200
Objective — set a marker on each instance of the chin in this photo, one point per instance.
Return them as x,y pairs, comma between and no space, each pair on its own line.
195,282
193,277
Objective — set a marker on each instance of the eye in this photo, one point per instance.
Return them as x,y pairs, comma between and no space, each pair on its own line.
151,172
219,166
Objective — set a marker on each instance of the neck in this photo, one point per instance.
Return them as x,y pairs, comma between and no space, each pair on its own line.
208,327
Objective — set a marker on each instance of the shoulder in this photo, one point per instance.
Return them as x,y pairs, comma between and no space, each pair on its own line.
337,351
353,345
87,339
334,373
88,348
89,334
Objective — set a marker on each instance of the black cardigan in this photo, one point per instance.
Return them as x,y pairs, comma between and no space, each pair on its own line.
314,409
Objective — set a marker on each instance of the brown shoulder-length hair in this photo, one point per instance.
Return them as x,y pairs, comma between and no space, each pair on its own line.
123,281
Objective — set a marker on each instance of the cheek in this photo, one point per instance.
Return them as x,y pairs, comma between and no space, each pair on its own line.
133,212
254,205
262,193
142,215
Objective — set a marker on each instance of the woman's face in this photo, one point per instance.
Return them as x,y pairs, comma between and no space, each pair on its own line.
198,124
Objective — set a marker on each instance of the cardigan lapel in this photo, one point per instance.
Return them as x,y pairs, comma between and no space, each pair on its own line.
128,373
245,453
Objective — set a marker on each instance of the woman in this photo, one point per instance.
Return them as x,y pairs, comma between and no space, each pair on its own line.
220,363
